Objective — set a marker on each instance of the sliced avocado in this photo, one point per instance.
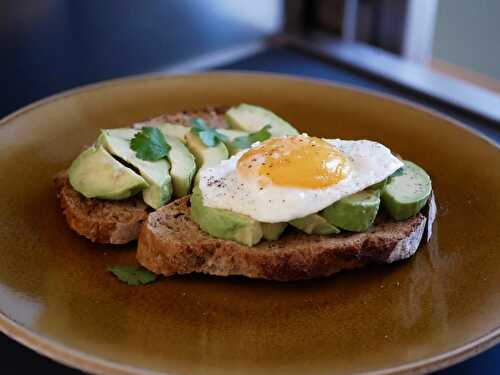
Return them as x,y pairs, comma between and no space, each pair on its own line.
407,191
174,130
231,135
156,173
122,133
224,224
183,166
379,185
205,156
96,174
354,213
251,118
314,224
272,231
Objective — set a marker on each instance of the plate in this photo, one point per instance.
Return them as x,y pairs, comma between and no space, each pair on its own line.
435,309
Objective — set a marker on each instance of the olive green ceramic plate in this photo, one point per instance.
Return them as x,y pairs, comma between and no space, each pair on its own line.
435,309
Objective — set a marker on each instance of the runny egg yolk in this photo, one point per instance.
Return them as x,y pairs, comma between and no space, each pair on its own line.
297,161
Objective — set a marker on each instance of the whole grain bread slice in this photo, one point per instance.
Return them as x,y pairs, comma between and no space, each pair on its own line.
119,222
100,220
171,243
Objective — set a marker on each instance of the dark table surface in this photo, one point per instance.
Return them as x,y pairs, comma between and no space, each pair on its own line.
19,360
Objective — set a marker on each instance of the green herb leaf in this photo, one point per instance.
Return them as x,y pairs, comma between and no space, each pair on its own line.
246,141
150,144
133,275
399,172
209,136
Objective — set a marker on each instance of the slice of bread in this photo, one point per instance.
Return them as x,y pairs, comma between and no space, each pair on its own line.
100,220
119,222
171,243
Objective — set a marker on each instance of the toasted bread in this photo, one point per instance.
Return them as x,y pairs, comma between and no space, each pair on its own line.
100,220
119,222
171,243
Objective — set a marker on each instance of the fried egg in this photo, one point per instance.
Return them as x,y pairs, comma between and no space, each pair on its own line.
290,177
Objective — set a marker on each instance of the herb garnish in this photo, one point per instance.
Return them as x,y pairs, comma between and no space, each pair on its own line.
246,141
133,275
209,136
150,144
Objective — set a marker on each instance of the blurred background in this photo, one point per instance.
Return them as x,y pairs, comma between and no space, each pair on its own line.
444,54
53,45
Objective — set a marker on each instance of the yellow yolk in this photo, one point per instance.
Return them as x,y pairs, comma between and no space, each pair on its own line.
298,161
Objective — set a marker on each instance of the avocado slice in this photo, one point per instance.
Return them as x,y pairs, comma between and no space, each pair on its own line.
379,185
354,213
205,156
174,130
96,174
273,231
251,118
231,135
224,224
183,166
156,173
314,224
407,191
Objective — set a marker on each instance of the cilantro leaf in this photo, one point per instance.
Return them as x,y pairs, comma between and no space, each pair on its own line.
246,141
399,172
209,136
133,275
150,144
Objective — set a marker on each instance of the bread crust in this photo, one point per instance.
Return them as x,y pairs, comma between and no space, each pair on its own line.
171,243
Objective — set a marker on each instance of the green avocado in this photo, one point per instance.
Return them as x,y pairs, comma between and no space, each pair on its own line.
183,166
231,135
205,156
379,185
273,231
314,224
156,173
354,213
224,224
96,174
251,118
174,130
407,191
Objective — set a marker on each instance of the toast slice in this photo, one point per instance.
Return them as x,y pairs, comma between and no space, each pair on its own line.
119,222
171,243
100,220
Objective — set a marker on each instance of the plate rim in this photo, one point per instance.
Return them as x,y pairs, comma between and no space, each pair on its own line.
82,360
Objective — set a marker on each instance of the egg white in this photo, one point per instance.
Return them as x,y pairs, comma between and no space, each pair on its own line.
222,187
